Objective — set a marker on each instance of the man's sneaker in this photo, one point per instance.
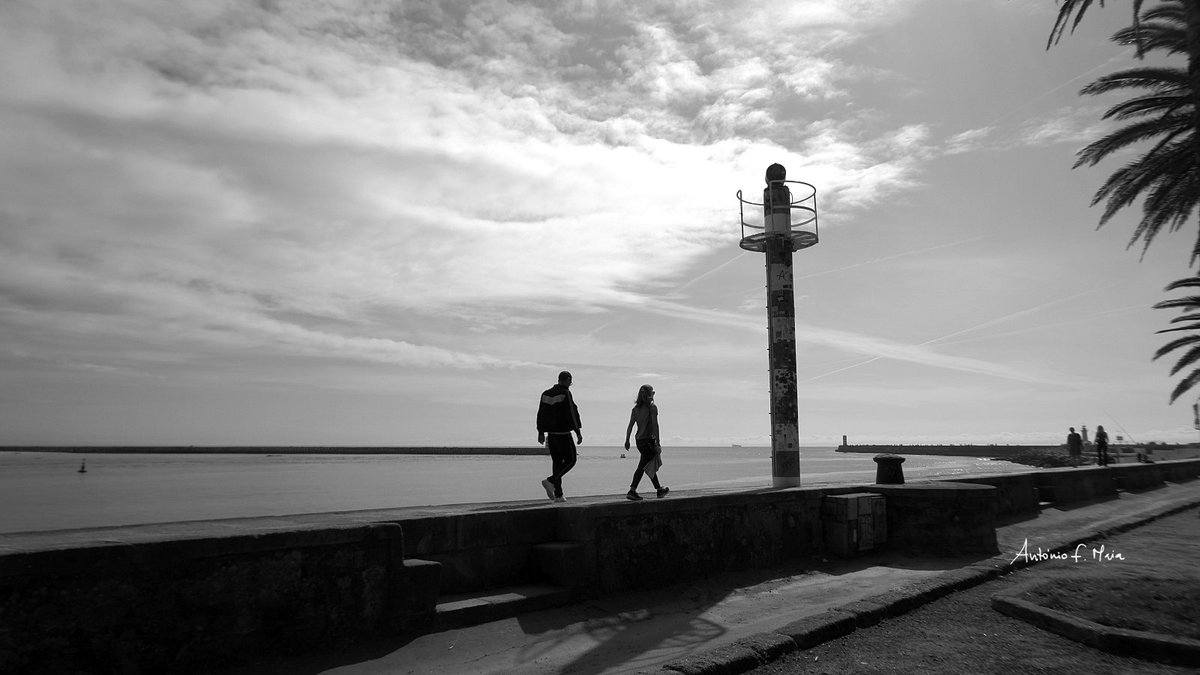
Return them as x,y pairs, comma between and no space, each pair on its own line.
560,499
549,488
662,492
633,496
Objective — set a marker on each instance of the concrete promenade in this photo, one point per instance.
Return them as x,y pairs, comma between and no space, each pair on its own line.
723,623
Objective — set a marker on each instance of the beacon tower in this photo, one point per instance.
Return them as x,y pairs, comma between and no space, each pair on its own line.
789,224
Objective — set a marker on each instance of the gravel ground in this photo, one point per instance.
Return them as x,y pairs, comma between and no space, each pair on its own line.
963,634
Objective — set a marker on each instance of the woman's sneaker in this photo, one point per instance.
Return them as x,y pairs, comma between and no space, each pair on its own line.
549,488
662,492
633,496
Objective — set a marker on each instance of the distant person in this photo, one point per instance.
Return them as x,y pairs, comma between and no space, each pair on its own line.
645,416
1074,447
557,419
1101,446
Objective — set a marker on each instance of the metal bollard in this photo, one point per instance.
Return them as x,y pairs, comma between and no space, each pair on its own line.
888,470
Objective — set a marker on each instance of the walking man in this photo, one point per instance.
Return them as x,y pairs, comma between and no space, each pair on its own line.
557,419
1074,447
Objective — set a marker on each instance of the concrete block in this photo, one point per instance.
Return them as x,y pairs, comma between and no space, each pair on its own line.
941,518
420,585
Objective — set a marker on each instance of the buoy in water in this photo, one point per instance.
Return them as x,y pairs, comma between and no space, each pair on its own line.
83,467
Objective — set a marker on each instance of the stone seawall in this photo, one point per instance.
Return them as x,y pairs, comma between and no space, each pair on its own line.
273,450
192,597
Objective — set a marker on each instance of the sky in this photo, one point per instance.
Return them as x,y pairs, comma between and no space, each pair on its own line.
368,222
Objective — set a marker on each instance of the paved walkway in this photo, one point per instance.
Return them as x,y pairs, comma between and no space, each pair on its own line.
967,632
690,623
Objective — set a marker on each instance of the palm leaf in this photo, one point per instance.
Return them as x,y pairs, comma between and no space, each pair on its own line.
1189,282
1189,358
1175,344
1185,384
1079,8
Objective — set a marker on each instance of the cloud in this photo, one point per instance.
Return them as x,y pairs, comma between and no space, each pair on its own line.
291,172
1076,126
969,140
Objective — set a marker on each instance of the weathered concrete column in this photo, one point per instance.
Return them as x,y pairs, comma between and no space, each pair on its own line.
781,324
781,327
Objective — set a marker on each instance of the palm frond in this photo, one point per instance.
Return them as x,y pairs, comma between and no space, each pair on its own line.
1176,330
1185,384
1149,78
1079,8
1188,282
1170,127
1191,302
1167,174
1161,27
1189,358
1176,344
1174,105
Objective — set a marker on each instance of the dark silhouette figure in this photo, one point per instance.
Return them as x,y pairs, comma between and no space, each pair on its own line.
1101,446
1074,447
557,419
645,416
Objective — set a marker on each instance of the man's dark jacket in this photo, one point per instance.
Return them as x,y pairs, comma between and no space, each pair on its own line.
557,412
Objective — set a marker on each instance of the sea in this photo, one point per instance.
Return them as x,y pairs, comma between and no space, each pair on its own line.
45,491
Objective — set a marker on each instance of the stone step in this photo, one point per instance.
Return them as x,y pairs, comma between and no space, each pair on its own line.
470,609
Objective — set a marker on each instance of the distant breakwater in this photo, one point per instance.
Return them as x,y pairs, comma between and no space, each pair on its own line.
998,451
271,450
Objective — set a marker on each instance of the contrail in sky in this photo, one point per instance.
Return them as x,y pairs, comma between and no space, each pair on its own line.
1056,324
714,270
1023,312
985,324
895,256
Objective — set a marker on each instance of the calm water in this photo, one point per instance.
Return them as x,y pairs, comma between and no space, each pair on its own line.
43,490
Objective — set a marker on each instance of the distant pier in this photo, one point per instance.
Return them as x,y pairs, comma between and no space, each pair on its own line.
997,451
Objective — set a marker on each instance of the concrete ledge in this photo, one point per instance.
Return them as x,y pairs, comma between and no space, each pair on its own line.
1120,641
1067,485
200,605
820,628
1016,493
740,657
1136,476
121,556
866,613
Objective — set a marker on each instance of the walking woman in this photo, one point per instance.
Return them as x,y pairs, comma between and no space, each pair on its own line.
1101,446
645,415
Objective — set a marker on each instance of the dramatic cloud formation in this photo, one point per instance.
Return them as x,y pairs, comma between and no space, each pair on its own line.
372,196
